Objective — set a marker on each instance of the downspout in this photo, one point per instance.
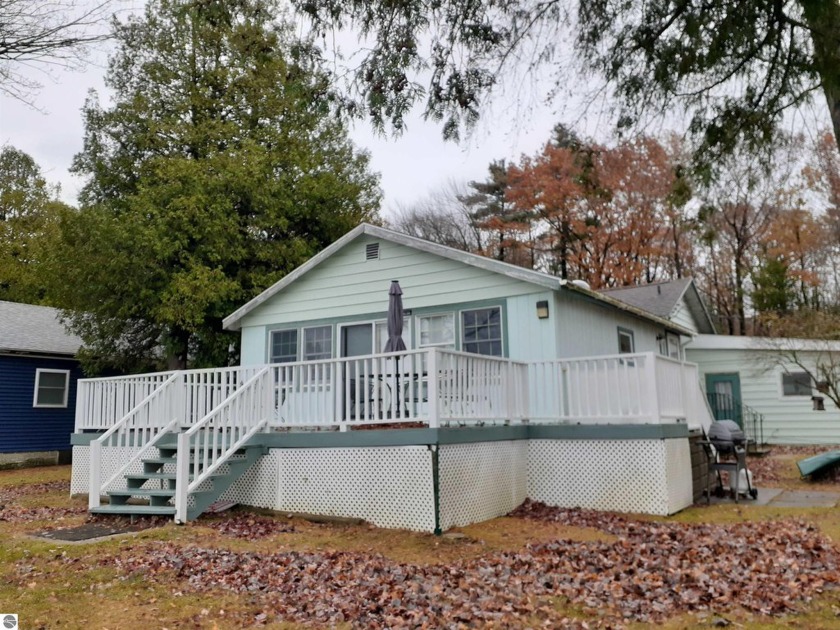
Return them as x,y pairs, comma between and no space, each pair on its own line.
436,486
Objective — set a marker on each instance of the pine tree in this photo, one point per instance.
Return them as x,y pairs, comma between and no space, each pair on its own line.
220,167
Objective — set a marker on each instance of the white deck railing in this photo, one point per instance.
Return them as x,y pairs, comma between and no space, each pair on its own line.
101,402
430,386
212,440
138,430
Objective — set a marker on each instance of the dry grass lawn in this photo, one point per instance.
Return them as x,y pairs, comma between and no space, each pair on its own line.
94,585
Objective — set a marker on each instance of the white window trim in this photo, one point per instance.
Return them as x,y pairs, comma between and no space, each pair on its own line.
455,339
793,398
406,333
675,338
302,342
631,334
459,332
38,373
271,334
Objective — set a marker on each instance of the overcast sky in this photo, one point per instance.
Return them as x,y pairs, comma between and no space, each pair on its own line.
412,166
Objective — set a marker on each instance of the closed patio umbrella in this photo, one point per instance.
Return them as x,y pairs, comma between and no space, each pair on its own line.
395,341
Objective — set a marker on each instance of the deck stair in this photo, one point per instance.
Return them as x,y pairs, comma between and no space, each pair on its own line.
152,491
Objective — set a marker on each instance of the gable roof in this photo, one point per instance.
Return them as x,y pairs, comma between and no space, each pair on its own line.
544,280
34,329
663,298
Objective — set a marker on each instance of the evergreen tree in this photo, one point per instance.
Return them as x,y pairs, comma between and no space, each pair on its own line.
508,227
220,167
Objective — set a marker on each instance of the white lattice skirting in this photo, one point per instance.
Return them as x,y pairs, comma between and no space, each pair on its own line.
647,476
394,486
481,481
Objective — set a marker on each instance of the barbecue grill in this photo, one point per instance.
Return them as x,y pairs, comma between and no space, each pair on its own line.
726,450
726,436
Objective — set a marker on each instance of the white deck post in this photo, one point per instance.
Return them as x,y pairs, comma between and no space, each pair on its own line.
432,389
268,399
512,411
182,477
95,474
652,388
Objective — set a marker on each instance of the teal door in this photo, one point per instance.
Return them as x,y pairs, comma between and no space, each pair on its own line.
724,394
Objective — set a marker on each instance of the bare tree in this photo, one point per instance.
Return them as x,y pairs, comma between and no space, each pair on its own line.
42,35
443,218
806,342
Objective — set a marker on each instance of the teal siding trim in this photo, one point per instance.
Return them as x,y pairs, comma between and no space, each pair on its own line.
412,342
446,436
608,432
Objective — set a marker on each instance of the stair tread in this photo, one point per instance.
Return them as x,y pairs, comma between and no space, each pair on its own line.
163,510
171,475
237,463
132,492
157,492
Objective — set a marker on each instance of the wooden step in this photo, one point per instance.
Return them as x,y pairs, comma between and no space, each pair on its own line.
142,492
135,510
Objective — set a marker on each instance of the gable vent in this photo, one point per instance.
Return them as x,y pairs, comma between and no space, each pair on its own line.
372,251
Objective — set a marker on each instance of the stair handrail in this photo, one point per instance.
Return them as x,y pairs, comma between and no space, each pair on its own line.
119,434
257,393
756,417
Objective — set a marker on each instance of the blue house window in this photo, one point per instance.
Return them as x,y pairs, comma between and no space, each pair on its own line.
481,331
51,387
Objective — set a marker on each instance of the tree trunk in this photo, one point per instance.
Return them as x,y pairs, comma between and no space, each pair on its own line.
823,18
177,357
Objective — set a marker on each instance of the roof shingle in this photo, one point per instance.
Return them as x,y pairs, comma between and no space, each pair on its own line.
37,329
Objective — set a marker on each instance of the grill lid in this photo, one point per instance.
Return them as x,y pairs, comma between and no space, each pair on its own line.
726,433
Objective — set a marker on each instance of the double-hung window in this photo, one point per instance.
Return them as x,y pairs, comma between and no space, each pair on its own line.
284,346
481,331
317,343
51,388
437,330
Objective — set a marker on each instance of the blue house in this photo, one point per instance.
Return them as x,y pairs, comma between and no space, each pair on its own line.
38,374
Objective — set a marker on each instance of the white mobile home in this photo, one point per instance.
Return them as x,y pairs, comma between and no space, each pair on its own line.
514,384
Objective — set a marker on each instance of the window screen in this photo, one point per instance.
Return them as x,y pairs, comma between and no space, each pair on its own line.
796,384
481,331
51,388
437,330
283,346
317,343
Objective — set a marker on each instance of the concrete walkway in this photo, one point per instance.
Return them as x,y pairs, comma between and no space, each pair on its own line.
777,497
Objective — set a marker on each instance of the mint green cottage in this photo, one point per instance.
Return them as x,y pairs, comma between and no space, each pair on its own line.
514,384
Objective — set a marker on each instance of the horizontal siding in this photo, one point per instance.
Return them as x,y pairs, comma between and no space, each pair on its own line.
786,421
24,428
347,285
